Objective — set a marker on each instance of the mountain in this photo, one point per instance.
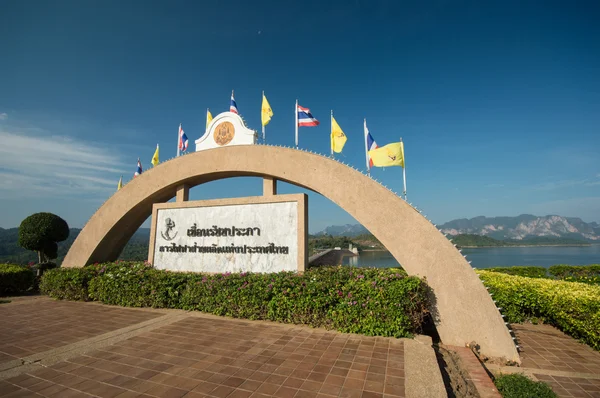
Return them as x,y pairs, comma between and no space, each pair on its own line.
524,227
344,230
136,248
470,240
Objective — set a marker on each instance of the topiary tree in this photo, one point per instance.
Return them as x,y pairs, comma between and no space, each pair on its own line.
40,232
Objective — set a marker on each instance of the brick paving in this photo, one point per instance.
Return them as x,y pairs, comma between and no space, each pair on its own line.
39,324
571,368
202,356
545,347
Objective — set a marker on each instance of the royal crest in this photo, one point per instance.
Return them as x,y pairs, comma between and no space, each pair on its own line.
224,133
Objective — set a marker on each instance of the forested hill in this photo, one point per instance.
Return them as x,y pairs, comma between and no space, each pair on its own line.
137,248
472,240
10,252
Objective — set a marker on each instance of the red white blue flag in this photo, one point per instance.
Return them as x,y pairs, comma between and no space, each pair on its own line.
305,118
183,140
370,144
139,168
233,105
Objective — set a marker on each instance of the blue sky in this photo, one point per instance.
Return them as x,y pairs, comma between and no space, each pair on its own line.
498,102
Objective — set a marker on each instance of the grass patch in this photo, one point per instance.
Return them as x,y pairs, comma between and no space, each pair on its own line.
520,386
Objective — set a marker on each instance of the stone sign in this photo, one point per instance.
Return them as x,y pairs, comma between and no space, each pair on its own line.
254,234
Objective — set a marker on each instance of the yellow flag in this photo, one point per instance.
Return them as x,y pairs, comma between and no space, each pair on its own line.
208,117
338,138
155,157
120,185
266,112
389,155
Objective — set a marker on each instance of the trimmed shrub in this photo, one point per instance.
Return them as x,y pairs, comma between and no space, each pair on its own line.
40,232
67,283
520,386
527,271
572,307
15,279
367,301
589,274
585,274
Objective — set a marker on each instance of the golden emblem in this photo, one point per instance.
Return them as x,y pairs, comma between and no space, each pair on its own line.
224,133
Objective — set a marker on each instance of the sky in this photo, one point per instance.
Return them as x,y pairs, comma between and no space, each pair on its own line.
497,102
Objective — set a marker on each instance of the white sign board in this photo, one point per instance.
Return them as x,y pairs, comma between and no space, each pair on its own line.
257,237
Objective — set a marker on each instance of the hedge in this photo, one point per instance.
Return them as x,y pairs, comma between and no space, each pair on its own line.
356,300
572,307
520,386
573,273
15,279
528,271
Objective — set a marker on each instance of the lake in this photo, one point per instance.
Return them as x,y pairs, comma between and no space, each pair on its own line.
543,256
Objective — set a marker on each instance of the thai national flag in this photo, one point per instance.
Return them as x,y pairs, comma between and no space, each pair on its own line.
305,119
371,144
183,140
233,105
139,168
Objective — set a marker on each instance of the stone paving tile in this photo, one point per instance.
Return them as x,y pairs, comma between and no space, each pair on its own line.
212,357
572,386
546,351
545,347
42,324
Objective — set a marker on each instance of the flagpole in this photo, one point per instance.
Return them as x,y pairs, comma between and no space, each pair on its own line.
207,110
366,149
296,115
261,121
330,135
178,140
403,171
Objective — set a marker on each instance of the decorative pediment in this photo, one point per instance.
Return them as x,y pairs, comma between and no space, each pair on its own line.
225,129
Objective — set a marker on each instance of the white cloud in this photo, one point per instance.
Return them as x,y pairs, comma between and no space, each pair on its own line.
3,116
55,166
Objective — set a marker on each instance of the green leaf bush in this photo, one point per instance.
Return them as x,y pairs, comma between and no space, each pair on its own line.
15,279
528,271
67,283
358,300
589,274
572,307
40,232
520,386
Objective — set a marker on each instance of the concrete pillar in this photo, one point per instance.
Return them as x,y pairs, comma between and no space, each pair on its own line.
269,186
183,193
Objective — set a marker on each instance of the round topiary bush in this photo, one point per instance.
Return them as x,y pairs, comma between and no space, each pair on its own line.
15,279
40,232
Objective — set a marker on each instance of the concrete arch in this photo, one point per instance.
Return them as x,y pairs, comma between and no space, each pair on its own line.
466,312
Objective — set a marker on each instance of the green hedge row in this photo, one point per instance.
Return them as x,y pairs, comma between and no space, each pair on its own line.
528,271
574,308
572,273
15,279
356,300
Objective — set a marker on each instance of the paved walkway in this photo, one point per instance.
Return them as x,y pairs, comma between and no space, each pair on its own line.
73,349
572,369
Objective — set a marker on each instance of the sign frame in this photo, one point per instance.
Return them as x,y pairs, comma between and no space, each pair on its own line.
302,208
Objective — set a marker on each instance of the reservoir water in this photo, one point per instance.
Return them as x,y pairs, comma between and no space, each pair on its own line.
544,256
